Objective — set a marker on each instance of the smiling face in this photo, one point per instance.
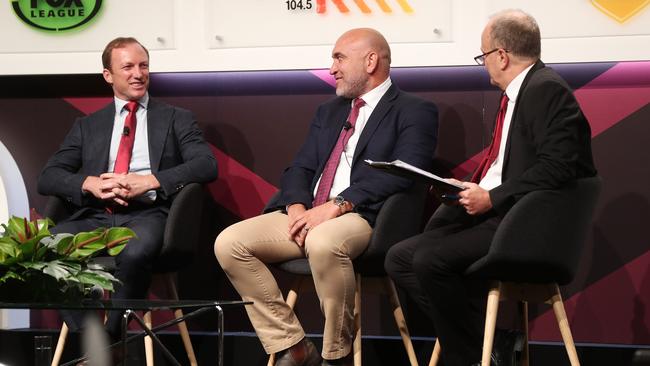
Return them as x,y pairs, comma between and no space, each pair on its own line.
129,72
350,66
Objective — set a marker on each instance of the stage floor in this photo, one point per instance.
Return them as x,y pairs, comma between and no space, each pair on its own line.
17,349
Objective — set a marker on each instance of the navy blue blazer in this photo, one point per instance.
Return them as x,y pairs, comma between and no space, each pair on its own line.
402,126
177,152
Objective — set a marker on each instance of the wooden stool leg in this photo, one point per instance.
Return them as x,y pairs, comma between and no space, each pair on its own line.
356,346
148,342
182,326
292,298
185,336
399,320
523,313
435,355
565,329
490,322
60,345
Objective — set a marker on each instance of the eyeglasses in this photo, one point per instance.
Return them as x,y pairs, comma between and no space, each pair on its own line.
480,59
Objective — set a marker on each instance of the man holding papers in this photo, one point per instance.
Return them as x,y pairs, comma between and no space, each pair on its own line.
541,140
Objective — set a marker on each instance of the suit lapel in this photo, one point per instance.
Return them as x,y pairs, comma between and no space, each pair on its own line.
514,119
101,132
385,104
158,124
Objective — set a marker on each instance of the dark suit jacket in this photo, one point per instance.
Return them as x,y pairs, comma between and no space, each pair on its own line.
402,126
549,140
177,152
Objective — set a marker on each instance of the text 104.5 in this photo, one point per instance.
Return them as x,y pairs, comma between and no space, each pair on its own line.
298,4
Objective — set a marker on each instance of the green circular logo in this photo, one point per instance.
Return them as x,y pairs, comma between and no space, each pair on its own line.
56,15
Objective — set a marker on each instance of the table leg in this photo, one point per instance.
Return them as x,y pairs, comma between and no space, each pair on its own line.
220,328
155,338
125,324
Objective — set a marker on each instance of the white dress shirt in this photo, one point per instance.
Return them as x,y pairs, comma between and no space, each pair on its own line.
344,169
140,163
493,176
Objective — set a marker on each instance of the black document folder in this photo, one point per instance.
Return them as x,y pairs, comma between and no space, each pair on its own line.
398,167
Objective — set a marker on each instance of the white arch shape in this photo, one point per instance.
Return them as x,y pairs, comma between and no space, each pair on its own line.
13,193
13,201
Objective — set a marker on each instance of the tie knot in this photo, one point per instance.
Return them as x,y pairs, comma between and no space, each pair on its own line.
358,103
132,106
504,100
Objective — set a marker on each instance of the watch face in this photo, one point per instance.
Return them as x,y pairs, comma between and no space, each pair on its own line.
339,201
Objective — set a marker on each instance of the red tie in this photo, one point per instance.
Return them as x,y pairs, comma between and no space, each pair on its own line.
493,151
327,178
125,150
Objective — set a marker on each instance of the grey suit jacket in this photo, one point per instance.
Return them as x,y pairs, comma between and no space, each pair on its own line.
177,151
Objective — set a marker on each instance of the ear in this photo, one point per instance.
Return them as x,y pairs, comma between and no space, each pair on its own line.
108,76
504,59
371,62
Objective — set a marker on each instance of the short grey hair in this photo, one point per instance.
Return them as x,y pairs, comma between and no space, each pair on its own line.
517,32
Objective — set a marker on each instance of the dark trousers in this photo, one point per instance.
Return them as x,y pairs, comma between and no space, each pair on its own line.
430,266
134,263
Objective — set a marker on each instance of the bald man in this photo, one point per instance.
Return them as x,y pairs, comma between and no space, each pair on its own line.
329,200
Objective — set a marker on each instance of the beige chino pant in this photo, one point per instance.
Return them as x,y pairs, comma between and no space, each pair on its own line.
243,250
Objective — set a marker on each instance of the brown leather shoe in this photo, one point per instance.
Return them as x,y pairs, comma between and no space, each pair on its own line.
303,353
344,361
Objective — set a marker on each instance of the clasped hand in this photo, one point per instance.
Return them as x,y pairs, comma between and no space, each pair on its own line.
302,220
119,188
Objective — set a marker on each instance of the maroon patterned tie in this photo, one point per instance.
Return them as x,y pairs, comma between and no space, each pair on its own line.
493,151
125,149
327,178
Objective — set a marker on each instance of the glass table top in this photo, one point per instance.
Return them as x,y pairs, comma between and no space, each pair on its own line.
88,304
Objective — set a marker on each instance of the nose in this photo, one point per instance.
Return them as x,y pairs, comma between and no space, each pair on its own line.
334,68
137,72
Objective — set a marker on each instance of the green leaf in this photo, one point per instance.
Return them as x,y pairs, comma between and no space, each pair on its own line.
34,265
117,233
59,242
116,249
93,278
61,270
11,274
8,249
87,237
15,226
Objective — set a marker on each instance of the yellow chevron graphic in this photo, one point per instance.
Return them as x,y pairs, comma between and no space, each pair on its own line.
321,6
621,10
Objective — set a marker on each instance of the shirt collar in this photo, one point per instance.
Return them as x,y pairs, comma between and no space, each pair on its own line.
372,97
120,103
512,90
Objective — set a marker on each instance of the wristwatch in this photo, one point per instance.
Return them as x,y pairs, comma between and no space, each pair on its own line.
342,203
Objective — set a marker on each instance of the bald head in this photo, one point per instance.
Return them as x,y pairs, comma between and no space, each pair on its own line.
371,40
361,61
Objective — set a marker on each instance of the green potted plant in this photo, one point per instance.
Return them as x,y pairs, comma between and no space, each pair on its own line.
38,266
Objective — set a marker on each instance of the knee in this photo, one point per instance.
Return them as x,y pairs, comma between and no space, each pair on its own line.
392,263
427,267
224,247
320,250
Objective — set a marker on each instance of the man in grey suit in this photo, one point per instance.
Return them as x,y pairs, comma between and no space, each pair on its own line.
122,166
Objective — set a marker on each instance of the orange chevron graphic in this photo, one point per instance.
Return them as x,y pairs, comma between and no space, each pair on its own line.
321,6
